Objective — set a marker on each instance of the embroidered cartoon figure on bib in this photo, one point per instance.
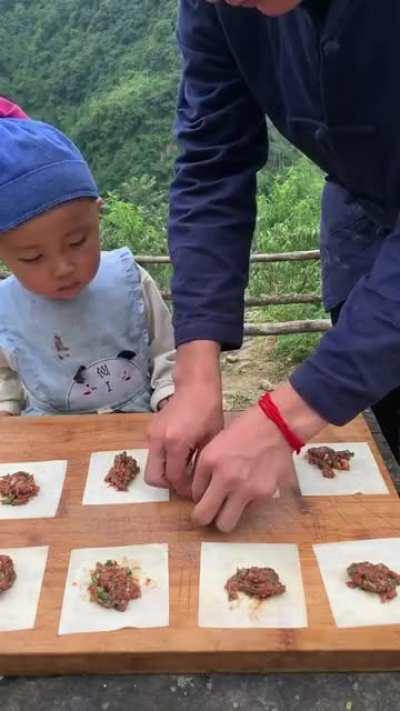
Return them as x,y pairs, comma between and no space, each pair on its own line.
111,381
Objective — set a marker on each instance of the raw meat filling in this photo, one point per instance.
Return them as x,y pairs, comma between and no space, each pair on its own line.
124,470
113,585
374,578
17,489
259,583
327,459
7,573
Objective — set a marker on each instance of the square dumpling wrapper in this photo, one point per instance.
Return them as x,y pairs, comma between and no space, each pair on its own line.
219,561
150,565
98,492
363,477
352,607
19,604
50,478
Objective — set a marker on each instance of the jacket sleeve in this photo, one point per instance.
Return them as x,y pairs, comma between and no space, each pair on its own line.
222,135
358,362
11,392
161,340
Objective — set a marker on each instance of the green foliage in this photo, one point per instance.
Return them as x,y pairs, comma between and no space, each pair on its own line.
105,72
144,191
288,217
288,220
143,230
281,154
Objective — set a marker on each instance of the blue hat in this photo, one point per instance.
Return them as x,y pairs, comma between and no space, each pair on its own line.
40,168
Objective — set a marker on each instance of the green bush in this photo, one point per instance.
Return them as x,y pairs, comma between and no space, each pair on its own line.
288,220
141,228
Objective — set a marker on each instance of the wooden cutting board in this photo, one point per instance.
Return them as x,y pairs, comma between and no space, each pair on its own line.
183,646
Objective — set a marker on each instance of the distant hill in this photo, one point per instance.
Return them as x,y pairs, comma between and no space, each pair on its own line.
105,71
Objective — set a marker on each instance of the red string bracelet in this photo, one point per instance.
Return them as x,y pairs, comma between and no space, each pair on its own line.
272,411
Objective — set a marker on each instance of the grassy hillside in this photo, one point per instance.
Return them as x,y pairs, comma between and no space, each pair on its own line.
105,71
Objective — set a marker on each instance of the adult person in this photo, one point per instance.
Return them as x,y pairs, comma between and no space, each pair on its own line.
325,72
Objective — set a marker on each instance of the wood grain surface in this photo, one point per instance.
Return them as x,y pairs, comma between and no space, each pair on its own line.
183,646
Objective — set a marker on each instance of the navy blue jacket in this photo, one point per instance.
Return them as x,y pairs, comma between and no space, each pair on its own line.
333,90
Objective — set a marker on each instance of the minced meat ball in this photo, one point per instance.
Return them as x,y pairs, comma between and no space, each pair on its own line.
7,573
113,585
124,470
327,459
16,489
259,583
376,578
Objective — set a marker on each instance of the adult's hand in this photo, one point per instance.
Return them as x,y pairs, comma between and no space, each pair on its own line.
192,417
249,460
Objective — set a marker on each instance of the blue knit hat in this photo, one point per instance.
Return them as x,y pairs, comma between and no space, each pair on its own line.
40,168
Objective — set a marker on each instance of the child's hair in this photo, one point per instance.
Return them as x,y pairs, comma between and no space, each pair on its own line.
40,168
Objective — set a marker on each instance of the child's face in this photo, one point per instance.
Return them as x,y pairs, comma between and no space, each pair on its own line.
56,254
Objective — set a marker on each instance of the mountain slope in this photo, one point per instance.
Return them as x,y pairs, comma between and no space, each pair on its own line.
105,71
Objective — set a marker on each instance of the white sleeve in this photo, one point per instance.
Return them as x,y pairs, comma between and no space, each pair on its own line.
11,392
161,340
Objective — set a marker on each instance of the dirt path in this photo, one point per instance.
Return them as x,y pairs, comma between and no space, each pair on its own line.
247,373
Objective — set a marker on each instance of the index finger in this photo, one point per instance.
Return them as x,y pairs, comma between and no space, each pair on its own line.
154,474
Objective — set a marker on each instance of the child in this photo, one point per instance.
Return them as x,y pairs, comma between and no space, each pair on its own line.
80,330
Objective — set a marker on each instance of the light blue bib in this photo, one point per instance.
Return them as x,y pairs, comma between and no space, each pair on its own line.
83,355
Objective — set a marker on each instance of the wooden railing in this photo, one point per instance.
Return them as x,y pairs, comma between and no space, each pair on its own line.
265,329
269,329
311,254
